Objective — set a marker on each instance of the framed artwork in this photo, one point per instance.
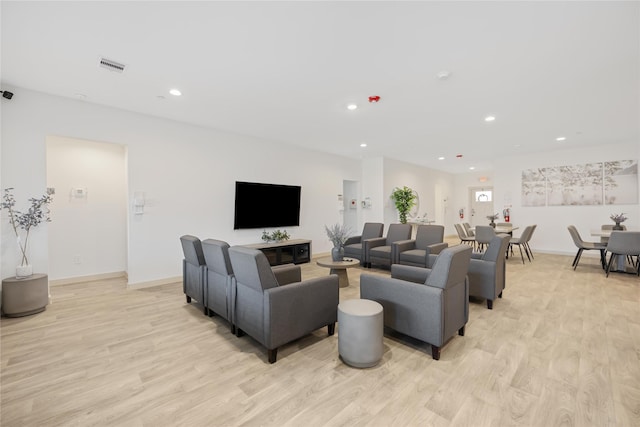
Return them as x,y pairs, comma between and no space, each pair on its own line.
621,182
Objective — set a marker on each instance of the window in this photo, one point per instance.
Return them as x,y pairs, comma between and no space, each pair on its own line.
483,196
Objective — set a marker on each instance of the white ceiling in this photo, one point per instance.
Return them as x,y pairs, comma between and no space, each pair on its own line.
286,71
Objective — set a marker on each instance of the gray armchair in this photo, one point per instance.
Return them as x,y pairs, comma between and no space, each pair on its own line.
487,270
193,269
381,251
422,251
219,285
431,311
354,246
272,314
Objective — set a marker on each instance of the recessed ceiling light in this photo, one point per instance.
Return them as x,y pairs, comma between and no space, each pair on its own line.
472,168
363,145
175,92
440,158
561,138
443,75
489,118
352,107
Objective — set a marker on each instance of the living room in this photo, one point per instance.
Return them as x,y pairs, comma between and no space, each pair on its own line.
185,174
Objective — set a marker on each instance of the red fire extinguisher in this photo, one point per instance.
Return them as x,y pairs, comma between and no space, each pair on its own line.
461,212
506,214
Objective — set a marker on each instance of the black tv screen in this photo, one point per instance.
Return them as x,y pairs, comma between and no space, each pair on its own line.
266,205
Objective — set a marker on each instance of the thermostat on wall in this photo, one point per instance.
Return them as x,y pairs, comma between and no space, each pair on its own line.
79,192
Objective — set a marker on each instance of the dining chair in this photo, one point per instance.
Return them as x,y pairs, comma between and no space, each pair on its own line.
605,239
586,246
467,229
625,243
522,242
484,235
463,236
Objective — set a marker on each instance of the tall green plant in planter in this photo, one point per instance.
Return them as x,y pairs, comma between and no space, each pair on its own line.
405,199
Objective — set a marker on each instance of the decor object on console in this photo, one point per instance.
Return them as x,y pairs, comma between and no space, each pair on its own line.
275,236
38,212
404,199
338,234
618,218
493,218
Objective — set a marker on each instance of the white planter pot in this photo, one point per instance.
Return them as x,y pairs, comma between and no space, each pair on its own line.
24,271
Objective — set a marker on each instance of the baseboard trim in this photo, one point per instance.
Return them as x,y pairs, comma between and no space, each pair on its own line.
152,283
89,278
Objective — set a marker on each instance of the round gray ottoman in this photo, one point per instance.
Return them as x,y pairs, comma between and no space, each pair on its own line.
360,330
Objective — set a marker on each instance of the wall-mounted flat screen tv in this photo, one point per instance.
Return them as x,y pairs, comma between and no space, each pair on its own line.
266,205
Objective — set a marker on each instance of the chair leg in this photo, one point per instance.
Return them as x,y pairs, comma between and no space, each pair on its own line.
610,262
490,304
233,329
461,331
331,328
188,299
526,251
273,355
435,352
520,249
206,311
603,259
530,251
500,295
577,258
239,332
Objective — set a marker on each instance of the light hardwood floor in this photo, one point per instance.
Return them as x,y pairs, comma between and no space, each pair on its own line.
561,348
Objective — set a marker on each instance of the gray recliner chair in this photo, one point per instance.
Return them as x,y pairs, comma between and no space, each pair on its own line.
219,285
273,314
422,251
487,270
354,246
432,310
193,270
381,250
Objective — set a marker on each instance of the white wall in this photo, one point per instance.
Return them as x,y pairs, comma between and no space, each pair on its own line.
551,234
87,235
187,172
427,183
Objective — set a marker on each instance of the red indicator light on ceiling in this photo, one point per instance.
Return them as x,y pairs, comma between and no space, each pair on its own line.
374,99
459,156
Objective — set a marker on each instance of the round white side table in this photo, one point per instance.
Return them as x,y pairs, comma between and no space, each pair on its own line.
360,331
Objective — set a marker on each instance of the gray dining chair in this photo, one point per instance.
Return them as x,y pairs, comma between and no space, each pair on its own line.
585,246
463,235
484,235
467,229
623,243
522,242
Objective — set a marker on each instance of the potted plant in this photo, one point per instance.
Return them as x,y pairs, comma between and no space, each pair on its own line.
618,218
338,234
275,236
404,199
37,213
492,218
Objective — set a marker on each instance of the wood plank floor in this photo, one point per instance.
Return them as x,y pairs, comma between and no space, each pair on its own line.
561,348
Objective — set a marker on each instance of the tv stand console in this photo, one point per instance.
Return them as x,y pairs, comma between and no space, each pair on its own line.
296,251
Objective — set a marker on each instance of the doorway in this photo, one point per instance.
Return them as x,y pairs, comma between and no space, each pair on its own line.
88,231
350,206
480,205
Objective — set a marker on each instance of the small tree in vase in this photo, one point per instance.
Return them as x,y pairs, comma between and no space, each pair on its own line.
38,212
338,234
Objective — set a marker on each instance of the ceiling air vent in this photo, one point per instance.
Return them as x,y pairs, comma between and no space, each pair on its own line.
111,65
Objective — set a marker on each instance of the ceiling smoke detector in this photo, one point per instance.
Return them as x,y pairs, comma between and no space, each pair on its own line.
374,99
111,65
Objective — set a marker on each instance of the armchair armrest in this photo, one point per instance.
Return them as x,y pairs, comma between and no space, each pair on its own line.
410,273
436,248
476,255
367,244
353,240
297,309
287,273
404,245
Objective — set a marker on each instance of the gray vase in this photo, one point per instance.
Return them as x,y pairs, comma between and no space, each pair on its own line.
337,254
